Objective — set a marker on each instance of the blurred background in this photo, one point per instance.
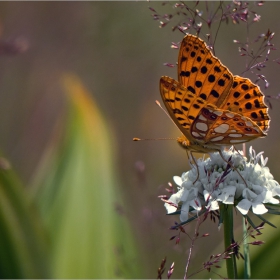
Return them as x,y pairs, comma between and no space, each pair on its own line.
112,53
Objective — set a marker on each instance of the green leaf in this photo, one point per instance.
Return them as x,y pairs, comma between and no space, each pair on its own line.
265,258
266,221
23,246
77,190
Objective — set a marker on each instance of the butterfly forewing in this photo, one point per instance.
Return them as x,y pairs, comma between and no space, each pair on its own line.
202,73
183,106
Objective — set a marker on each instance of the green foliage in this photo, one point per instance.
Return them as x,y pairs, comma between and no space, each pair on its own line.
78,196
76,192
264,258
23,244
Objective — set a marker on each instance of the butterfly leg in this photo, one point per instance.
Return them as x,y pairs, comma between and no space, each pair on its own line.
231,165
195,163
237,150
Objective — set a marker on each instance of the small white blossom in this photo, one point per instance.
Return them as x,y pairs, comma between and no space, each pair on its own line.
249,188
254,200
187,195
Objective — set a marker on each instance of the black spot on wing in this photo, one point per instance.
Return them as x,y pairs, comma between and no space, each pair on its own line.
203,70
214,93
211,78
191,89
257,103
245,87
194,69
227,76
217,69
221,82
254,115
185,73
169,100
236,94
203,96
183,59
248,106
247,96
177,111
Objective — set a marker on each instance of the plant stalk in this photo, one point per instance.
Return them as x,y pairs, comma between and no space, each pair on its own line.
227,216
247,267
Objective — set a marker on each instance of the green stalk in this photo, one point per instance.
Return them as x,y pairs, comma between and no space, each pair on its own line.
247,267
227,217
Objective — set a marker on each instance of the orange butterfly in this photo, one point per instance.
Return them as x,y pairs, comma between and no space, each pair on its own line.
210,105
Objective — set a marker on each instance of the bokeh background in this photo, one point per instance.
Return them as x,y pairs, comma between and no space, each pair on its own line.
113,53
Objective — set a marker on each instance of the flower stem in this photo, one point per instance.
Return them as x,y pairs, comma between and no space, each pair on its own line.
227,217
247,267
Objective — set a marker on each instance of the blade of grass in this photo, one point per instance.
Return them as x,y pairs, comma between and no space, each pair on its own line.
23,242
78,195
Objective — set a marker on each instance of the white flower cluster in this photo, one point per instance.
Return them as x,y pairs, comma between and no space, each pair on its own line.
219,183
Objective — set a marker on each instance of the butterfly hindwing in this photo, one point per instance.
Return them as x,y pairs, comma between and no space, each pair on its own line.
223,127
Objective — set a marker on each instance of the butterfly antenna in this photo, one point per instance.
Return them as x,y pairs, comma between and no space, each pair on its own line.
158,103
139,139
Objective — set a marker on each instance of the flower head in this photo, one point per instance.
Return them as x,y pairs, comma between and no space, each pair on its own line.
247,184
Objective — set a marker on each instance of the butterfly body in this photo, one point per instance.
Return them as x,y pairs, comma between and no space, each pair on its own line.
211,106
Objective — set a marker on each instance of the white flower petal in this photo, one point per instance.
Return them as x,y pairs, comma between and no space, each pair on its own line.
248,194
169,208
188,184
193,194
257,189
195,204
184,212
213,205
185,195
207,195
243,206
269,198
227,195
259,208
177,180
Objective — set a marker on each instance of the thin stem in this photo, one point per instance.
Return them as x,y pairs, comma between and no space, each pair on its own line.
191,247
227,213
247,266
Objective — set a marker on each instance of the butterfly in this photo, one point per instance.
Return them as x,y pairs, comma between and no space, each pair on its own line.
211,106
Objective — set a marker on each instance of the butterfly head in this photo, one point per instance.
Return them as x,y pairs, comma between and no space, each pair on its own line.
193,146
